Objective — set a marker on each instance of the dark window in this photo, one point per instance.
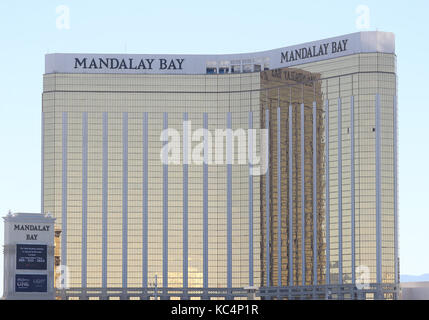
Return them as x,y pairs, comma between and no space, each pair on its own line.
235,69
211,70
223,70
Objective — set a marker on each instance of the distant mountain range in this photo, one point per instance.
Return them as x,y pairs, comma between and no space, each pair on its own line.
412,278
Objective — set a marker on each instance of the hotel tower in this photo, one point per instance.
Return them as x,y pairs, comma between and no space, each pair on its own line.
206,175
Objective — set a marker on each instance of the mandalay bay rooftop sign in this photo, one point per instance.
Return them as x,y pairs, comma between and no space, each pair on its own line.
323,49
361,42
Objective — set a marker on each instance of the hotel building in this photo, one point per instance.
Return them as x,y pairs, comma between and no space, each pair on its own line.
321,216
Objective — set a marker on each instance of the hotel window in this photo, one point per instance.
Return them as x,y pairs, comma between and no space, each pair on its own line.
211,67
260,64
267,64
211,70
224,66
247,68
235,68
223,70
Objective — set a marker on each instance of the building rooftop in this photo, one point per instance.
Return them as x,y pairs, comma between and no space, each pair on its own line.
360,42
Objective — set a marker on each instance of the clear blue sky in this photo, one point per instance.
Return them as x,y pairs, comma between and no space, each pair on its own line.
28,30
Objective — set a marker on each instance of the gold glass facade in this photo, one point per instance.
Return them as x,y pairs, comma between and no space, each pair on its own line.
87,116
114,95
286,94
361,80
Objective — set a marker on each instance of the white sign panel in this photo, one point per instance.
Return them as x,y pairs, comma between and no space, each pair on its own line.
31,232
29,256
374,41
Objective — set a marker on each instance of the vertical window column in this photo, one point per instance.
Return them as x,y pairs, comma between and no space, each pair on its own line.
124,199
104,200
267,200
314,193
303,262
64,192
145,199
165,205
279,198
205,203
395,184
185,198
250,156
327,197
352,173
290,191
229,198
378,187
42,188
84,196
340,195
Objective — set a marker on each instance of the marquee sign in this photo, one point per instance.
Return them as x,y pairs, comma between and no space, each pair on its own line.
31,283
29,256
